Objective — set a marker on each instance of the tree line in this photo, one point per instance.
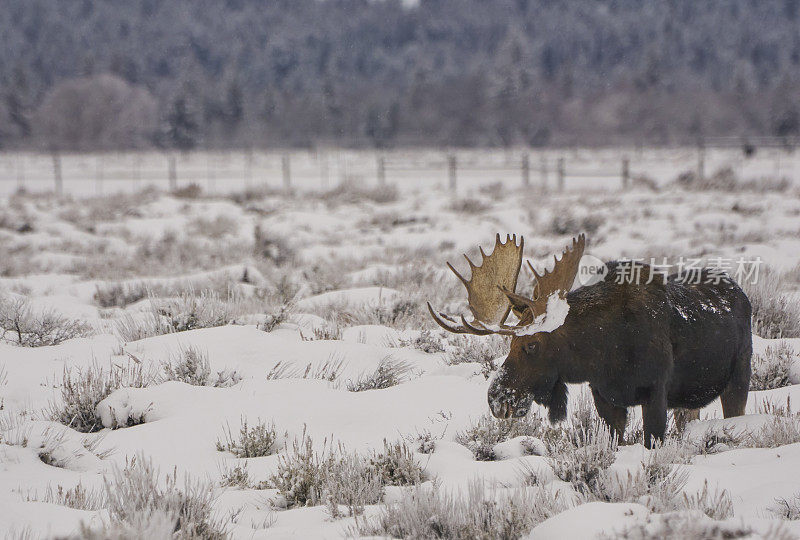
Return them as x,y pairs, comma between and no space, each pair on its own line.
108,74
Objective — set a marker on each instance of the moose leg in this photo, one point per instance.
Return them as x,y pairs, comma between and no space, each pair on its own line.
654,416
615,417
734,398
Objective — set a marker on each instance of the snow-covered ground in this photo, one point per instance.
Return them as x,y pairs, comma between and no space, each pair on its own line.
295,299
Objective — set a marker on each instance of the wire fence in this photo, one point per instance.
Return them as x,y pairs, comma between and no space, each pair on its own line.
460,171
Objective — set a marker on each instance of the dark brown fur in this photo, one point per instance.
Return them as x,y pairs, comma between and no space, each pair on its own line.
658,345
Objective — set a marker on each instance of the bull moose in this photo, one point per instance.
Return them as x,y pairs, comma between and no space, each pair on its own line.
662,343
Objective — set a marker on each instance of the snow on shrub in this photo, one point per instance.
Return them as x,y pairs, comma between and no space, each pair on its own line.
83,389
235,476
390,372
787,508
480,512
397,466
336,477
277,317
253,441
683,525
772,369
483,351
120,294
482,436
782,430
332,477
426,341
582,457
21,325
139,500
330,370
77,497
774,315
188,311
191,366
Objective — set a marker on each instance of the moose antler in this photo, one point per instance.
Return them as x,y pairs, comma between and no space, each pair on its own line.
487,302
558,280
490,289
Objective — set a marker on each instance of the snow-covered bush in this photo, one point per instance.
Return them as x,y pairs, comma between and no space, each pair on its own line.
481,512
326,332
332,477
581,458
659,493
253,441
469,205
714,441
683,525
565,221
188,311
406,313
426,341
482,436
142,504
215,228
192,366
716,505
299,474
774,315
77,497
191,310
120,294
336,477
390,372
276,317
327,371
771,370
484,351
349,480
272,247
21,325
780,431
236,476
396,465
83,389
787,508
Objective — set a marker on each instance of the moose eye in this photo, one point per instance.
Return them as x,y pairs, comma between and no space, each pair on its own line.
529,348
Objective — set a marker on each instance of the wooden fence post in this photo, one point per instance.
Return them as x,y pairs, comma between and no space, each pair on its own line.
451,171
561,173
286,169
526,170
626,173
20,171
248,167
137,167
381,170
701,162
172,172
59,181
324,170
543,172
210,173
99,174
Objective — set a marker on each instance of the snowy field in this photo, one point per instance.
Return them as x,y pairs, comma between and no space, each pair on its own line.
262,365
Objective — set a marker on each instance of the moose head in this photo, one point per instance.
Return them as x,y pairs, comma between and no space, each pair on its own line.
530,372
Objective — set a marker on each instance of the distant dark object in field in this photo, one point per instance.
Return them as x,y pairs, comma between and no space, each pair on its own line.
655,342
748,149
